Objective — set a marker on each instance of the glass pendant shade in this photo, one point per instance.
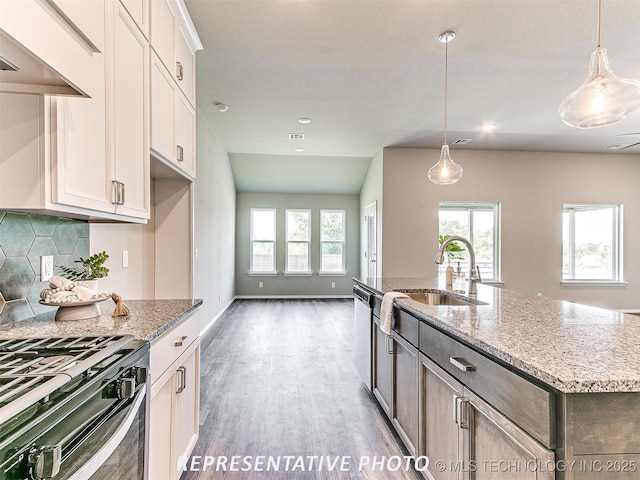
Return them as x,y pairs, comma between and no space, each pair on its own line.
603,99
446,171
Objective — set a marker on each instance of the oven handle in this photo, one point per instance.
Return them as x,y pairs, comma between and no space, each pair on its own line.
91,466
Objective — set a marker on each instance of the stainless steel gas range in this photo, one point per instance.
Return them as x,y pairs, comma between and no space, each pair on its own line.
74,408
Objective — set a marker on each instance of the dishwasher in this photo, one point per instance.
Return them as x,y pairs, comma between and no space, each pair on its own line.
363,335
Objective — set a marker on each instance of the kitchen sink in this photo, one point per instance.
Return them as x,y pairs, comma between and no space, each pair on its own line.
440,298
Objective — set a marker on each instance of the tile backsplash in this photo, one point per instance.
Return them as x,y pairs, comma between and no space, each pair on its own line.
24,237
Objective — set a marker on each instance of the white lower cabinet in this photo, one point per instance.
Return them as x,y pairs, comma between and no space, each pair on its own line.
175,393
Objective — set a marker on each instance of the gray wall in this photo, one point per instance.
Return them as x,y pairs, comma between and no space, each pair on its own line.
23,239
214,224
532,188
281,285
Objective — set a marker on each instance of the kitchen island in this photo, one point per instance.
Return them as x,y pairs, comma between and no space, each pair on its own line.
524,378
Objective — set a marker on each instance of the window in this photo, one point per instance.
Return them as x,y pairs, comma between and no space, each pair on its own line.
298,238
480,224
591,236
332,241
263,240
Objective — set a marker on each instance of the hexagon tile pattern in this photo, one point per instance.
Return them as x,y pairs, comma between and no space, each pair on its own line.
23,239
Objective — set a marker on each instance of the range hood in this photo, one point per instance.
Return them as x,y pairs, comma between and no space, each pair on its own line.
51,47
23,72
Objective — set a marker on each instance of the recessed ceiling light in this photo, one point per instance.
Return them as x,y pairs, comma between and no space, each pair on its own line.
222,107
298,149
304,120
488,127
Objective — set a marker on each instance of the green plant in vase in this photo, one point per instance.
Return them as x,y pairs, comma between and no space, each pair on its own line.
452,249
90,268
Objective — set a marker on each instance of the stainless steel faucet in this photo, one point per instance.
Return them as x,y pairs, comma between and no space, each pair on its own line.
474,273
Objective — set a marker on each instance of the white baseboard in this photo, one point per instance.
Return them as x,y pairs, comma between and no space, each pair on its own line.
268,297
215,319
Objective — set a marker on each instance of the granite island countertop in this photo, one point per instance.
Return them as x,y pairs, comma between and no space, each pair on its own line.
148,320
570,347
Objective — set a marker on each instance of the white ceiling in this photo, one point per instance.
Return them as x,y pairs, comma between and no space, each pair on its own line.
370,73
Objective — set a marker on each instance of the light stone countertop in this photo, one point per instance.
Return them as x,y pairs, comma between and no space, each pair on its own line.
572,348
148,320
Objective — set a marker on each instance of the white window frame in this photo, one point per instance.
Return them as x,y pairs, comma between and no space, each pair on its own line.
497,249
616,245
288,242
343,269
272,241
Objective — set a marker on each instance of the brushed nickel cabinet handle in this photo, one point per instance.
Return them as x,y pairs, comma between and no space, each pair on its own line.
117,192
386,344
461,364
179,71
180,342
180,153
182,384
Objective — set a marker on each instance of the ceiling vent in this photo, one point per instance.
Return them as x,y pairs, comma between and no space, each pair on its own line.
462,141
296,136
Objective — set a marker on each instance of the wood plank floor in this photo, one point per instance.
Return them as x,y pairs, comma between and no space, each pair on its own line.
277,379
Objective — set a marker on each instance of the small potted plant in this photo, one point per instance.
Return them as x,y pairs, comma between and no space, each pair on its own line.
88,271
452,250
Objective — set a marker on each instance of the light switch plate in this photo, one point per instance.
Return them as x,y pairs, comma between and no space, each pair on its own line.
125,258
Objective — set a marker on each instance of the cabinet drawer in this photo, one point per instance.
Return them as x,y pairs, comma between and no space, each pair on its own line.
170,345
406,325
528,405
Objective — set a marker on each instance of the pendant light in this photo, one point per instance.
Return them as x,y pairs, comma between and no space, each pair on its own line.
446,171
604,98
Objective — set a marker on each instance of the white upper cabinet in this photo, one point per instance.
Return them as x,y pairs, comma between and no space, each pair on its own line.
87,156
185,135
162,31
55,44
185,66
163,141
129,107
139,11
173,42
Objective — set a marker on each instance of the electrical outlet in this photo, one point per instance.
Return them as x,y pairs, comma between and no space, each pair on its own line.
125,258
333,284
260,284
46,267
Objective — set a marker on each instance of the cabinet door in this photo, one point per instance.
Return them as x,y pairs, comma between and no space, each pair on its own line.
162,111
185,135
499,449
80,165
405,392
187,403
130,115
440,436
185,67
139,11
382,372
160,422
163,32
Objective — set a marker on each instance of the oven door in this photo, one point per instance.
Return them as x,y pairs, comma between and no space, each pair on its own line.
114,447
100,433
